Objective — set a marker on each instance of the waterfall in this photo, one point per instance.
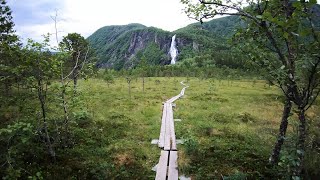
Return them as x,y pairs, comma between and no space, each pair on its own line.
173,50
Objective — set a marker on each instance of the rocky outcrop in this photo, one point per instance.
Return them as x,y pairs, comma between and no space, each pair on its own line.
123,46
140,40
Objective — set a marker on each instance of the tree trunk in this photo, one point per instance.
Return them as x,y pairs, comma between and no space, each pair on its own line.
49,144
18,86
45,126
65,108
75,82
129,85
301,142
275,156
142,84
66,117
7,87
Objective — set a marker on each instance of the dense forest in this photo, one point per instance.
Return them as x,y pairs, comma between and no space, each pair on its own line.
89,108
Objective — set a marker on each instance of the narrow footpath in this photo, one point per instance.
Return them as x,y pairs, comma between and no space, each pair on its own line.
167,167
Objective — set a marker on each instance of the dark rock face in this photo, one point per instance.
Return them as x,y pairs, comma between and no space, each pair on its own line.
183,41
124,46
140,40
137,41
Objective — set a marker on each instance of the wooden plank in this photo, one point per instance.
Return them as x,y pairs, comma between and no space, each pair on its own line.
170,100
173,166
167,140
174,98
182,91
162,166
171,124
163,126
167,130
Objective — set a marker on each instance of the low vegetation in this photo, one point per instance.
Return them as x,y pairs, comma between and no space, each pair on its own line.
228,128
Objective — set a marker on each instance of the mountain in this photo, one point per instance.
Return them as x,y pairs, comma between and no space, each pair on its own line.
106,35
223,27
123,46
209,36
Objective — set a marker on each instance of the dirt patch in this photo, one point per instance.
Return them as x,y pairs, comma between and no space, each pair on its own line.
246,117
212,132
124,159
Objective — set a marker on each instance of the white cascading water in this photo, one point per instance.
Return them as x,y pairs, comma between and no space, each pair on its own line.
173,50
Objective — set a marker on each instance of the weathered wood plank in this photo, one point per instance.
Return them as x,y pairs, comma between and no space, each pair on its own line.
168,142
173,166
172,131
182,91
167,130
163,126
173,99
162,166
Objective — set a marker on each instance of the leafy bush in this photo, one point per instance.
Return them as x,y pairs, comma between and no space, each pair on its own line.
191,145
82,118
236,176
16,154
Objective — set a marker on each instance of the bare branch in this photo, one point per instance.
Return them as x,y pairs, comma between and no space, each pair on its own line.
314,99
311,81
220,4
75,66
240,11
84,61
54,18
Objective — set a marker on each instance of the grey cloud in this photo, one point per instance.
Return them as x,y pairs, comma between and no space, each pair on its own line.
34,12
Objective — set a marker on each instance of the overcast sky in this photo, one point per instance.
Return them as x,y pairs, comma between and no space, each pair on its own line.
33,17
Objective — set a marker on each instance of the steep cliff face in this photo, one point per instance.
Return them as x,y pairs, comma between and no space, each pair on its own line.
142,38
129,44
124,46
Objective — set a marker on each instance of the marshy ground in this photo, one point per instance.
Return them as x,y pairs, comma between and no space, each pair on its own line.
228,127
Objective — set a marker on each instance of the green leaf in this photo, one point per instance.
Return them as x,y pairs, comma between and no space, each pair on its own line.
286,35
297,4
267,15
299,152
295,177
24,140
313,1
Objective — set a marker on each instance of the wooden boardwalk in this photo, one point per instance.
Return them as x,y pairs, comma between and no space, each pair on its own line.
167,167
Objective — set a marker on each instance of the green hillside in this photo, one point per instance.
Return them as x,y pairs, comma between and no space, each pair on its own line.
123,46
105,35
223,27
117,46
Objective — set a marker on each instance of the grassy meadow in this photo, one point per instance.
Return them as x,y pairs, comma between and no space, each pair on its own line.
229,127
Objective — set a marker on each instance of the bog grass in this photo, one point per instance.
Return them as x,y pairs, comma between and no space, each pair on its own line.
228,127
